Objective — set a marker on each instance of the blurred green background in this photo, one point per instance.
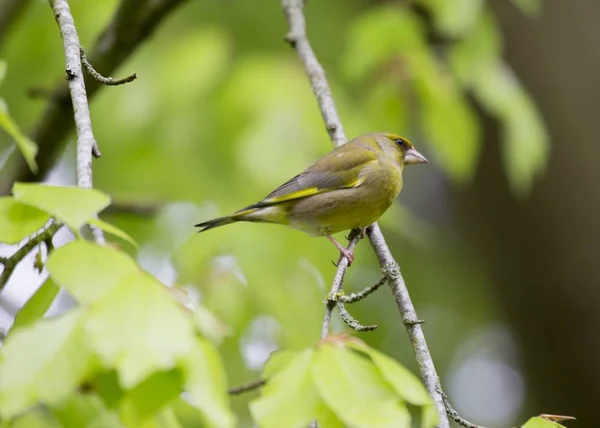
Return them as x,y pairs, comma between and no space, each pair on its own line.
498,237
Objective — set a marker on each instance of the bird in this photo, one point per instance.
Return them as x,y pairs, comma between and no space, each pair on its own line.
350,187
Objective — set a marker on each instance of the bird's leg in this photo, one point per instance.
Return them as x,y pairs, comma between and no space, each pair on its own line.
344,252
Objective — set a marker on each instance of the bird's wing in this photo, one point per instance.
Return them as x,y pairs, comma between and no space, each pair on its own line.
341,169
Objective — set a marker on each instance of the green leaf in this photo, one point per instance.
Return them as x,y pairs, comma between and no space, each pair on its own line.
43,363
37,305
526,142
207,384
455,17
447,121
73,206
288,396
156,392
406,384
354,389
86,411
90,271
277,362
529,7
28,148
19,221
113,230
37,418
137,328
375,39
209,325
538,422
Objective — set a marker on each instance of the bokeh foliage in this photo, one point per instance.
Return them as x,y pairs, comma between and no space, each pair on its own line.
221,114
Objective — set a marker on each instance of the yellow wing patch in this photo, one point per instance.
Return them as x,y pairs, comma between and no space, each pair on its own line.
312,191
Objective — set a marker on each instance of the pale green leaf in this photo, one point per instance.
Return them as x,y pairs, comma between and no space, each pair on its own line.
90,271
429,416
379,36
289,398
27,147
472,55
45,363
353,388
326,417
86,411
455,17
37,418
207,384
526,142
277,361
402,381
538,422
168,419
37,305
447,121
18,221
137,328
209,325
113,230
529,7
74,206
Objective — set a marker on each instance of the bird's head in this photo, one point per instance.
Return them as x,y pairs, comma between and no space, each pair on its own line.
401,148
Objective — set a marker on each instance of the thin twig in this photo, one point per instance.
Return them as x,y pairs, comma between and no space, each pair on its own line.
353,322
338,283
86,143
237,390
297,37
355,297
10,263
454,414
108,81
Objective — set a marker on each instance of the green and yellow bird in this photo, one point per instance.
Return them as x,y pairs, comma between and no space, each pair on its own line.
351,187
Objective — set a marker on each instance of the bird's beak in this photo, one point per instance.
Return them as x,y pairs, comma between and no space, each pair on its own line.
411,156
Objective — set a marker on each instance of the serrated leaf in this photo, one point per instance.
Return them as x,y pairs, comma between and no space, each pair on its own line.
455,17
289,397
27,147
113,230
207,385
37,305
18,221
90,271
529,7
137,328
401,380
86,411
354,389
538,422
43,363
73,206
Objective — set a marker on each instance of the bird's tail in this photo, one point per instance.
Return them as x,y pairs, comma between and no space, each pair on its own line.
242,215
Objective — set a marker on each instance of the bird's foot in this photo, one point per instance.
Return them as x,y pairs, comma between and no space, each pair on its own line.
348,254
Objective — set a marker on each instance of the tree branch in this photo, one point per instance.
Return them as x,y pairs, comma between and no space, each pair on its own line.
237,390
10,263
297,37
133,22
108,81
86,143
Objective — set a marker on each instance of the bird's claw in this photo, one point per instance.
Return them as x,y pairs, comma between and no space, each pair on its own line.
348,254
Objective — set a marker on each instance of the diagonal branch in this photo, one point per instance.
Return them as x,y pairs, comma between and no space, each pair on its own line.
133,23
297,37
86,143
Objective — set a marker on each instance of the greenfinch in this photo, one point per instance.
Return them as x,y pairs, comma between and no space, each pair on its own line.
351,187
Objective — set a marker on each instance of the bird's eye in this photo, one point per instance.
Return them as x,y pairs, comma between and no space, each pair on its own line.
400,142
